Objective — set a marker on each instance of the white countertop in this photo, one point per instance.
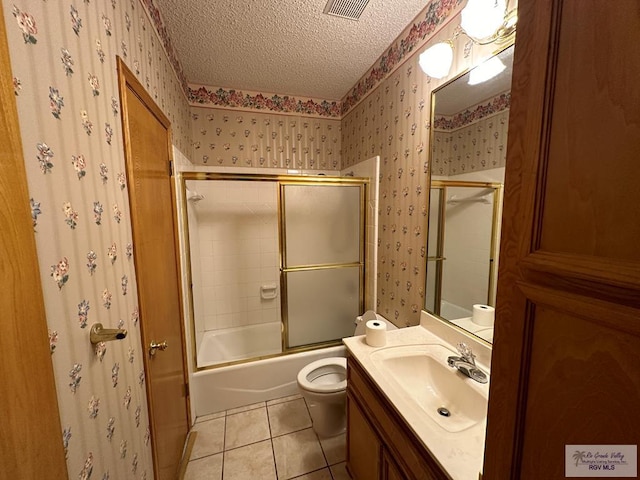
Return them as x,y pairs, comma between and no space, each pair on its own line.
460,454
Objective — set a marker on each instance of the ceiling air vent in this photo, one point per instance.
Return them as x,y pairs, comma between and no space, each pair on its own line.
351,9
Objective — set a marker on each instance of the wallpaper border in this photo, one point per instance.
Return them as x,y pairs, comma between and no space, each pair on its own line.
466,117
214,97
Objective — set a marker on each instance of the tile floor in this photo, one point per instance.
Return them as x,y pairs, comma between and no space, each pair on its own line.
265,441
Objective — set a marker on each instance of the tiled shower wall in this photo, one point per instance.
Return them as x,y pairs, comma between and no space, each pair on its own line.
237,240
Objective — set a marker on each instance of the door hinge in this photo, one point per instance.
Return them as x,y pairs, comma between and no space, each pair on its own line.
171,168
186,389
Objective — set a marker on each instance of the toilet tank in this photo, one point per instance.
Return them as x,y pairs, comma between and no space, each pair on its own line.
361,321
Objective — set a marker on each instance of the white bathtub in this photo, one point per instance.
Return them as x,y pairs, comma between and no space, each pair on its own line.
231,344
246,383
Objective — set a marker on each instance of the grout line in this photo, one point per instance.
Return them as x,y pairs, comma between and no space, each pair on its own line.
224,444
312,471
294,431
273,452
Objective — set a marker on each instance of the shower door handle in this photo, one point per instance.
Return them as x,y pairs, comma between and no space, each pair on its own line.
153,346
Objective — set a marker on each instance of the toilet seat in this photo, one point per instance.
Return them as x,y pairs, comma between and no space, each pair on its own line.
327,375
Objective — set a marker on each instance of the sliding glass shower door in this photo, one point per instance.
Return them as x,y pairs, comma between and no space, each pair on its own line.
322,261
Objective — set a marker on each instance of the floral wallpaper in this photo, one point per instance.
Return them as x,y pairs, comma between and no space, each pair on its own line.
473,140
251,139
63,57
389,115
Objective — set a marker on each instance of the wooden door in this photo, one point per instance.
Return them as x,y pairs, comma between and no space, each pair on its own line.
30,430
567,339
151,194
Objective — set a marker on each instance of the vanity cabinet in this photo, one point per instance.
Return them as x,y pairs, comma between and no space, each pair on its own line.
380,444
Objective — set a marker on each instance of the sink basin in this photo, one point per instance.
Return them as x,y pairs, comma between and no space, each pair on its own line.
421,375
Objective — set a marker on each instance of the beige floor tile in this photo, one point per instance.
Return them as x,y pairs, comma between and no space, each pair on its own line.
288,417
211,416
334,448
210,438
253,406
339,472
284,399
324,474
297,453
245,428
207,468
252,462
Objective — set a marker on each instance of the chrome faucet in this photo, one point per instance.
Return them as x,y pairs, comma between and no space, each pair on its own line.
466,363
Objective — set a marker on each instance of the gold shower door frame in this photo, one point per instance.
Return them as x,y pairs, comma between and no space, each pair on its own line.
280,180
439,258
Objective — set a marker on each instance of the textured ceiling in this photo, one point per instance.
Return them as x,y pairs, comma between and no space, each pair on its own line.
281,46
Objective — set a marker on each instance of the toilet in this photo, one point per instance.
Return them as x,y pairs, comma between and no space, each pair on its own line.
323,384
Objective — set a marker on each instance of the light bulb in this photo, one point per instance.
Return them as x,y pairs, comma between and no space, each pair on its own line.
480,19
436,60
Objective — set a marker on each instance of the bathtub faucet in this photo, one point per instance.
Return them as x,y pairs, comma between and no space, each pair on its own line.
99,334
466,364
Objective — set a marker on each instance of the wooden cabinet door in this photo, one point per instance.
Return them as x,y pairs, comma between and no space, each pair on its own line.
390,470
363,445
567,338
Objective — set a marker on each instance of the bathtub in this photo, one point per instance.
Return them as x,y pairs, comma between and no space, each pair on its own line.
233,386
237,343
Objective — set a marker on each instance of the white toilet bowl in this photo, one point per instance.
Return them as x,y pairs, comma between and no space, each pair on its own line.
323,384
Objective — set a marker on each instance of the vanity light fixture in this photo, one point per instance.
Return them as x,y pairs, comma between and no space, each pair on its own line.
436,60
486,70
483,21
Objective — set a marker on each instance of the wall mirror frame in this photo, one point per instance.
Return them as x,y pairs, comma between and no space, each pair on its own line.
469,126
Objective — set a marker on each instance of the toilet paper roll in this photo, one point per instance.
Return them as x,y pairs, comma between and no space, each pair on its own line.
483,315
376,333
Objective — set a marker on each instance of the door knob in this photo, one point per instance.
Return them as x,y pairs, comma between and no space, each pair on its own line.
153,346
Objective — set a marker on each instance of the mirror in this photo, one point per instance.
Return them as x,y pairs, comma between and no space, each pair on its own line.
470,118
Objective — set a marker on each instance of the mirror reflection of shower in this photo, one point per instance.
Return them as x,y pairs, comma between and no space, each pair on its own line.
249,298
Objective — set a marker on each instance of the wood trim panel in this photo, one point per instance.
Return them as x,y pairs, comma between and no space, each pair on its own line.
30,429
507,393
588,270
567,313
127,77
606,314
